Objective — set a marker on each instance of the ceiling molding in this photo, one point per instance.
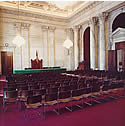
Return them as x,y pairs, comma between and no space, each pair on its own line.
79,17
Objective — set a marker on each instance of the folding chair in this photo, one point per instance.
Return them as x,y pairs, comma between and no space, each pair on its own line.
77,96
65,98
50,101
9,97
87,92
32,105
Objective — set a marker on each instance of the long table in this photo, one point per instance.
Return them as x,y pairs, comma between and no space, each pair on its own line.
58,70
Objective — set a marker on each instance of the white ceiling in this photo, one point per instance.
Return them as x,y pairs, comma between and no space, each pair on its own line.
60,8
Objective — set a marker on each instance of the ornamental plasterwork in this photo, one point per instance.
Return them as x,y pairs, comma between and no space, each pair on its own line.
86,8
76,18
44,7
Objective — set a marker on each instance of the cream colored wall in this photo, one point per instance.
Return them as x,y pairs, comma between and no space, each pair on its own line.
40,39
49,39
60,36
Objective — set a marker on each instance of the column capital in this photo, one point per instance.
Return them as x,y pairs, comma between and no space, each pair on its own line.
105,15
68,29
21,25
44,27
25,25
95,20
52,28
76,28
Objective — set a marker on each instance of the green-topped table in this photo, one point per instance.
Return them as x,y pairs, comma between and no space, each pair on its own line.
58,70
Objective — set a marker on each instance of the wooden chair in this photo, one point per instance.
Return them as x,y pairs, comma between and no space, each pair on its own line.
36,65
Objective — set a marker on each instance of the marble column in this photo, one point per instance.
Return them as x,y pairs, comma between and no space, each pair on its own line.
26,47
51,39
69,52
75,47
18,51
101,43
81,43
45,45
106,15
29,46
92,45
95,34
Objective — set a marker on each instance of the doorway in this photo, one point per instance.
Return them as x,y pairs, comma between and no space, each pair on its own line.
7,62
86,38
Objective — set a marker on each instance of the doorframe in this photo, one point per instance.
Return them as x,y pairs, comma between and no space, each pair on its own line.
11,60
87,28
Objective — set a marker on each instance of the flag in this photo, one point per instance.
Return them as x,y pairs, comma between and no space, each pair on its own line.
36,53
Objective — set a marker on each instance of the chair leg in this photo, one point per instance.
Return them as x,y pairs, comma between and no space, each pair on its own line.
4,107
44,112
97,101
25,116
56,111
88,103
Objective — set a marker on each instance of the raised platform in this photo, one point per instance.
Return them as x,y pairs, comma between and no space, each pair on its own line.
58,70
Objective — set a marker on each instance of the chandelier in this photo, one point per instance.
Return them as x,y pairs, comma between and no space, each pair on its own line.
18,40
67,43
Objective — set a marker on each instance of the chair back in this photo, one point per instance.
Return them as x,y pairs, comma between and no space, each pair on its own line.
95,88
64,88
51,97
88,90
10,94
39,92
34,99
10,89
77,92
26,93
65,94
52,90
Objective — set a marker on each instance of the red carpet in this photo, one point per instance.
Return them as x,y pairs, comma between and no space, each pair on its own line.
2,86
106,114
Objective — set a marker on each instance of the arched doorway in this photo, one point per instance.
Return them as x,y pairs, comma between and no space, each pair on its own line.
119,22
86,40
116,58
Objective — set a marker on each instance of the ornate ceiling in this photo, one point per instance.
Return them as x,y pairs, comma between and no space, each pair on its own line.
46,7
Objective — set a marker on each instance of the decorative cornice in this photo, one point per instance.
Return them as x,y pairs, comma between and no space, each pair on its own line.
85,9
28,14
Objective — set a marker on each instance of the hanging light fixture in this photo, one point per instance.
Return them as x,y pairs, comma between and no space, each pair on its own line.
67,43
18,40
